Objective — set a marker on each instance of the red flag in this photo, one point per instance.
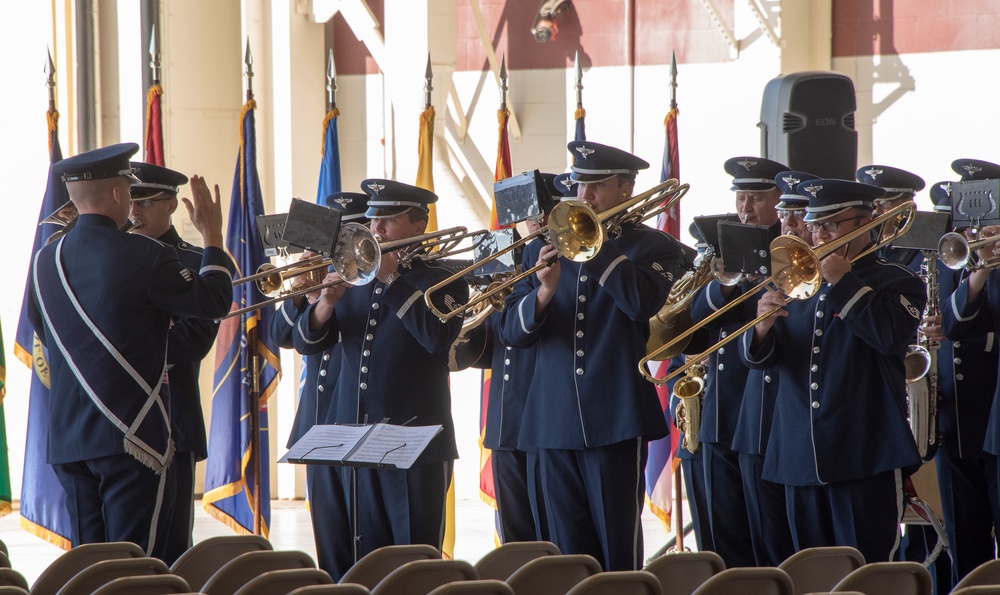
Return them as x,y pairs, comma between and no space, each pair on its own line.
154,127
670,221
503,167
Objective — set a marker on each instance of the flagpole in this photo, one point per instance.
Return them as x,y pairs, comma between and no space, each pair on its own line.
678,492
331,82
253,359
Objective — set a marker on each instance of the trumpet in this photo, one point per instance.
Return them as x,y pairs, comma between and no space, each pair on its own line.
65,217
955,252
795,272
575,230
356,257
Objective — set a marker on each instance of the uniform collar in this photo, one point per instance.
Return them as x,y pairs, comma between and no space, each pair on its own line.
95,220
171,237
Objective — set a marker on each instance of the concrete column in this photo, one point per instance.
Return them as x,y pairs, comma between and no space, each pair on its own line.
806,35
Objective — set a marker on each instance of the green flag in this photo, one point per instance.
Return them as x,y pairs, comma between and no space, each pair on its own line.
5,491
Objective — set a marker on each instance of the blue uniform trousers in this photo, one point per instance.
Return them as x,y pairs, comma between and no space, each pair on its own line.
766,511
862,513
694,486
727,510
393,507
135,490
515,486
177,513
593,500
970,503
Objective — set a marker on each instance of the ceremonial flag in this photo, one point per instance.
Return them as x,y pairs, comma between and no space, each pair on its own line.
246,362
154,126
502,169
581,126
425,162
329,167
661,464
43,501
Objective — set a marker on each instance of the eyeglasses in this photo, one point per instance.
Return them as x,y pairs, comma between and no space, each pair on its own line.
831,226
786,213
145,203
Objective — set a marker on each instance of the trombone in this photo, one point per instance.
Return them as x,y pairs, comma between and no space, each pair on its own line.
955,252
356,257
795,272
575,230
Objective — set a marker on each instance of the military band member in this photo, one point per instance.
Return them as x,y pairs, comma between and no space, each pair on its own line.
154,201
322,371
839,439
900,186
395,368
589,413
102,301
757,197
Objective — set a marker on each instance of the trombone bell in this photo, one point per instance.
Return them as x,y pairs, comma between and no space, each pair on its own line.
575,230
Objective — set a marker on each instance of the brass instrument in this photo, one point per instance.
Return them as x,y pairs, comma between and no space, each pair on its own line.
575,230
476,316
65,217
955,252
795,272
921,371
690,391
675,315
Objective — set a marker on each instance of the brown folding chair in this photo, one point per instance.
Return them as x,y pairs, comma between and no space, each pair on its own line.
987,573
423,576
12,578
680,573
337,589
553,575
67,565
977,590
12,590
819,569
888,578
737,581
202,559
283,581
619,582
479,587
154,584
101,573
241,569
377,564
501,562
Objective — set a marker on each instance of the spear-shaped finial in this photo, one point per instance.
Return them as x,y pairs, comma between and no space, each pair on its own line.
331,82
579,80
428,79
248,60
673,80
503,81
154,56
50,80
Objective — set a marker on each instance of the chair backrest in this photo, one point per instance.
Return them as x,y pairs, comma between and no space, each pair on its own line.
377,564
423,576
283,581
819,569
154,584
337,589
680,573
501,562
67,565
759,581
238,571
202,559
553,574
482,586
620,582
12,590
987,573
888,578
101,573
978,590
12,578
4,560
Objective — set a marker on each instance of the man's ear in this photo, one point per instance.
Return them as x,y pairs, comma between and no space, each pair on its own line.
173,205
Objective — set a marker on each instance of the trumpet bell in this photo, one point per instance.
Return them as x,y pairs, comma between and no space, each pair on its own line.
357,256
271,284
575,230
954,251
797,265
917,363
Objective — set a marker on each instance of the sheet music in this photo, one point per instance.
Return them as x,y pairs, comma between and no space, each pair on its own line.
325,444
397,446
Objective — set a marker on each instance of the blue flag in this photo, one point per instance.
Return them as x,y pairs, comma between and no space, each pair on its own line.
329,167
43,501
246,362
581,124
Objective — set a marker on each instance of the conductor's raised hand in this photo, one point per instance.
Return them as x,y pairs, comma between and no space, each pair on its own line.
205,212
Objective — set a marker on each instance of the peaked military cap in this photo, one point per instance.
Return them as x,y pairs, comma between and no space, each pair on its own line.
388,198
753,173
155,179
565,185
941,196
975,169
695,232
827,197
594,162
352,206
892,179
107,162
786,181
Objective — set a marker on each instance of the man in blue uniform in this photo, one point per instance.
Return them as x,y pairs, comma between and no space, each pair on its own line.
839,439
395,368
322,370
589,413
154,201
757,197
900,186
103,301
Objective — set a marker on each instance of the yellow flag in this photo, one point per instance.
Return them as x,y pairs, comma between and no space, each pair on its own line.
425,161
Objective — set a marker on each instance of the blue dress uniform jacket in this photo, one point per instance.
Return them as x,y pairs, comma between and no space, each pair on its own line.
130,286
841,410
598,321
395,354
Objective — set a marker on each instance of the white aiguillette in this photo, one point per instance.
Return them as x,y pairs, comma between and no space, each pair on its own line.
375,445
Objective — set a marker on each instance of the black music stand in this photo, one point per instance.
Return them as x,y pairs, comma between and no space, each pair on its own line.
489,243
521,197
975,203
925,233
312,226
746,248
270,229
708,225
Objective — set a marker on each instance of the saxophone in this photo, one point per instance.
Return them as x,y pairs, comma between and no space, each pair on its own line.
689,391
921,371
